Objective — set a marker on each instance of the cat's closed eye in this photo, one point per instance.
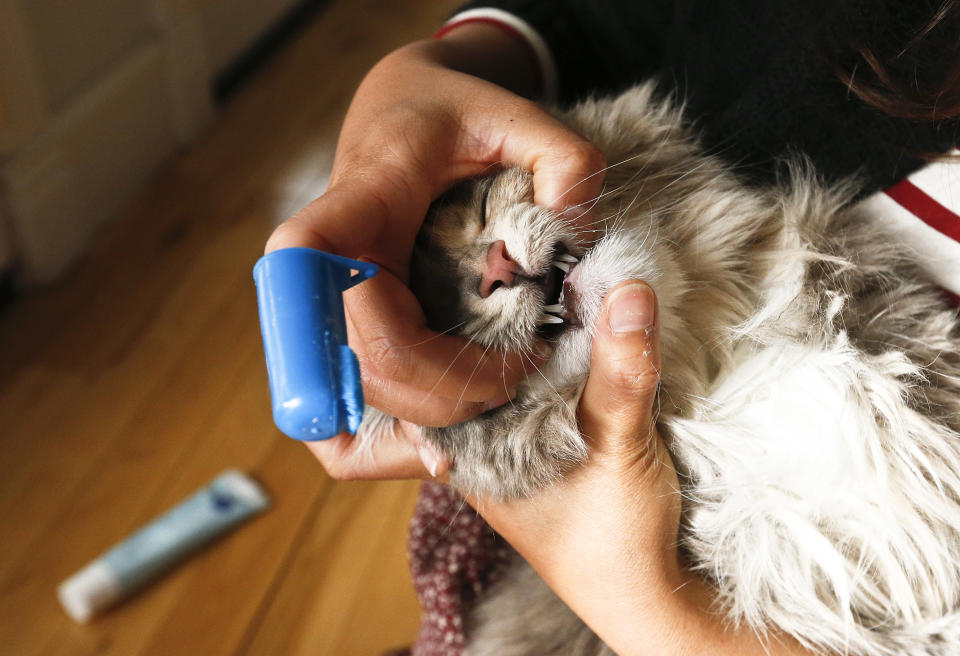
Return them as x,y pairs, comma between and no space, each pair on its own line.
483,206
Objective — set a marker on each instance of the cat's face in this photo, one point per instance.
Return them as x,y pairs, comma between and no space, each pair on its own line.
493,267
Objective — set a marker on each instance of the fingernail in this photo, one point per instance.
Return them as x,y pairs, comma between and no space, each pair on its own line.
429,457
499,401
631,309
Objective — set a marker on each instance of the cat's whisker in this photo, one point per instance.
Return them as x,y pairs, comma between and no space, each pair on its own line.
545,379
445,372
678,179
433,337
503,377
593,201
583,227
600,172
469,380
453,519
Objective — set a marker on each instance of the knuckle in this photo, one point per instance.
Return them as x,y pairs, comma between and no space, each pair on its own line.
337,471
587,157
633,374
279,237
526,109
298,230
388,360
334,465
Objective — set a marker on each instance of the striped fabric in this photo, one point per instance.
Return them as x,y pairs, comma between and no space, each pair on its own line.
923,212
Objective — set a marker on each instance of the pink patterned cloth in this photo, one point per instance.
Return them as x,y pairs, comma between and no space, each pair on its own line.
454,557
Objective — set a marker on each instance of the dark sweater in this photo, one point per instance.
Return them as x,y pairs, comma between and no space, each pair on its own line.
755,75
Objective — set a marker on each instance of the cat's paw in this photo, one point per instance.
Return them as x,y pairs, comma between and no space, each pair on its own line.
515,450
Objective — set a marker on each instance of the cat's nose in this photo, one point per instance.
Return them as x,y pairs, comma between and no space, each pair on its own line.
500,269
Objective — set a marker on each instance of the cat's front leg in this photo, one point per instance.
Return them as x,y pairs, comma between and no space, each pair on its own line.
511,451
517,449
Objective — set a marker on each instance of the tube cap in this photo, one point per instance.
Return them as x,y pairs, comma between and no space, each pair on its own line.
314,376
89,591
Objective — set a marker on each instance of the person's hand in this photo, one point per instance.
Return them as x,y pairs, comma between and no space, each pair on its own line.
624,499
605,537
416,125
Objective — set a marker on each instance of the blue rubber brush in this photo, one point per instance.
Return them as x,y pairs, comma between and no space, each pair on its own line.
314,376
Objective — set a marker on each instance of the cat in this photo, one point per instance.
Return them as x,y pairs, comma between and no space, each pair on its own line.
810,391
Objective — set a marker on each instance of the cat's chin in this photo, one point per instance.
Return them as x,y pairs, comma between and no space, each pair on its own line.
569,363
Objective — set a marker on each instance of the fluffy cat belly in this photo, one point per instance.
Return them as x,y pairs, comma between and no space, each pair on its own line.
818,499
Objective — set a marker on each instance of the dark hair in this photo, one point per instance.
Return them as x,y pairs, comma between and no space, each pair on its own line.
916,76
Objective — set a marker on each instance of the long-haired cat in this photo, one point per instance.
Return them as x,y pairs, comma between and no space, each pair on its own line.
810,394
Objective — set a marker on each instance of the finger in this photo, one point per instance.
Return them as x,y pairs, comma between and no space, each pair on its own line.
616,407
435,462
400,453
567,168
418,406
393,343
380,214
344,458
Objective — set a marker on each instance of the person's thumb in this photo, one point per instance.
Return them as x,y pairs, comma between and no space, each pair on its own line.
616,409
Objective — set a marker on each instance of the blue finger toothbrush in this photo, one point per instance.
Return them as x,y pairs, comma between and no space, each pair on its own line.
314,376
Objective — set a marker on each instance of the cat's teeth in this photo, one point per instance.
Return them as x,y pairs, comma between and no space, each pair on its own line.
566,257
548,318
553,308
563,266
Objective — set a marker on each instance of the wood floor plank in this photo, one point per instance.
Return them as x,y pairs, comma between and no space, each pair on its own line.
137,378
120,488
336,597
111,418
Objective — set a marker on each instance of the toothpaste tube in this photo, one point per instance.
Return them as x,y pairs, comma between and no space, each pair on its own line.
226,501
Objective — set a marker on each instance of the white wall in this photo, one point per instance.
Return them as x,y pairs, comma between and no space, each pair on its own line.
94,94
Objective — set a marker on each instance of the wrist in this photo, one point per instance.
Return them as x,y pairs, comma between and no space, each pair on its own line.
487,52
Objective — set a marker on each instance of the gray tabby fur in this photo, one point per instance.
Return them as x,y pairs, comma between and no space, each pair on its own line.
810,395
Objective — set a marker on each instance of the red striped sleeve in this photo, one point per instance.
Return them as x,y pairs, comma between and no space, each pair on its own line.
924,207
923,213
533,44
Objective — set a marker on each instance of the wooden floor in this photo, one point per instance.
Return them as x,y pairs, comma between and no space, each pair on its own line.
141,376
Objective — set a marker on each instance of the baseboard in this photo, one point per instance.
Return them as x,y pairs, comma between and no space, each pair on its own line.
8,287
232,77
